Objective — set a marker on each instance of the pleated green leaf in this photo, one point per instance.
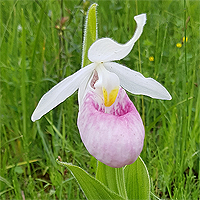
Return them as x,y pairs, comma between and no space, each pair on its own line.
137,180
113,178
90,33
91,187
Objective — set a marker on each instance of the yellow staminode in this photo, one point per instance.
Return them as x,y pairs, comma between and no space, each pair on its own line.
109,100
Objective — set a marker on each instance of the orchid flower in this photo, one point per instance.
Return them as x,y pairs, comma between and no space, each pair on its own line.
109,124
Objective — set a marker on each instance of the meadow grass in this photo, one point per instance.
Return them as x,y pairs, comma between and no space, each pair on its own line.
36,54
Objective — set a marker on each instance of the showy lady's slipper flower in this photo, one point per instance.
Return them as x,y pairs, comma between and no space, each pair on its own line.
109,124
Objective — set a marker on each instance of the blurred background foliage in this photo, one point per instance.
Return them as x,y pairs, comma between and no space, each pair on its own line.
41,44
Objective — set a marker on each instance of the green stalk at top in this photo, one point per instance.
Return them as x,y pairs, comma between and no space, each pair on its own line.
90,33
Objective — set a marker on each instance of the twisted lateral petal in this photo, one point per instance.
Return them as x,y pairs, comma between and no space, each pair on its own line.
114,138
136,83
106,49
61,91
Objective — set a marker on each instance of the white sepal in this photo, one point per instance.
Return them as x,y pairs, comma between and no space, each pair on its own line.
105,49
136,83
61,91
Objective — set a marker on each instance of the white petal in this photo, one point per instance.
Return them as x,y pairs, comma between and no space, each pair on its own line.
61,91
83,89
136,83
106,49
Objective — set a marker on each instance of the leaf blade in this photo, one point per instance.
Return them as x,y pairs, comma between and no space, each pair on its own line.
92,188
137,180
113,178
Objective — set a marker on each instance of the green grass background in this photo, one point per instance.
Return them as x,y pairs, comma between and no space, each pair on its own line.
35,55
